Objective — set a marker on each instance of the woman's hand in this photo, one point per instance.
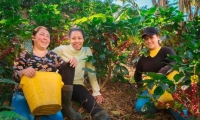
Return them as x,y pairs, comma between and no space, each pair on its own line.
99,98
73,62
29,72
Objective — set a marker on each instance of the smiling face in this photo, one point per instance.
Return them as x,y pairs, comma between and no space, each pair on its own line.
76,39
41,39
151,42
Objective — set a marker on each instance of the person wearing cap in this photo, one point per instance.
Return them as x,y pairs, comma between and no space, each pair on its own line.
156,62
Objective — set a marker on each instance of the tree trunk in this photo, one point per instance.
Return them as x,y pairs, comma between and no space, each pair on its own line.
190,10
162,3
181,8
196,11
187,4
153,2
110,68
197,5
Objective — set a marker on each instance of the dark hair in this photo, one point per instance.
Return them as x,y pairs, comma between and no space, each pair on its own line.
76,29
36,31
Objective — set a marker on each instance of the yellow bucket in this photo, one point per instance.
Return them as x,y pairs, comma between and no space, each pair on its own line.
43,92
166,97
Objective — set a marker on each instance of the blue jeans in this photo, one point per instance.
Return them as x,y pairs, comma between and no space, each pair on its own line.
21,107
142,101
152,109
177,116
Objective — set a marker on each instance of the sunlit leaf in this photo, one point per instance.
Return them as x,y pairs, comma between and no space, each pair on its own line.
152,10
3,21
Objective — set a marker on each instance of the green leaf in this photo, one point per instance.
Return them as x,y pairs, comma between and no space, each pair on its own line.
177,58
135,20
158,90
116,69
177,77
119,69
156,76
135,60
3,21
90,59
173,88
152,10
102,16
189,54
187,82
191,46
178,105
124,70
27,32
102,56
164,86
150,83
1,70
82,20
121,78
10,115
3,80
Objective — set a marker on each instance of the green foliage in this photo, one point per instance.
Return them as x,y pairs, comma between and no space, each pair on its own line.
26,4
3,80
12,30
9,115
10,17
167,20
188,58
110,30
161,82
50,16
108,39
85,8
6,88
46,15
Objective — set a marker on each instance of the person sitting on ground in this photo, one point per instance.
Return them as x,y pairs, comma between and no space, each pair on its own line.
80,93
41,59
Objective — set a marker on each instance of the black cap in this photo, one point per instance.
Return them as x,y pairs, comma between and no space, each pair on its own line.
150,31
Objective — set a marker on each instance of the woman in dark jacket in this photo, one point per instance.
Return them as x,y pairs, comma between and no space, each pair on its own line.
156,62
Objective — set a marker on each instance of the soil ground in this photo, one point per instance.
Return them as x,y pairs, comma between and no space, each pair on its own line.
119,101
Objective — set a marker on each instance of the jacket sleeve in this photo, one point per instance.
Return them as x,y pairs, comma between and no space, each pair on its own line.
138,74
92,76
